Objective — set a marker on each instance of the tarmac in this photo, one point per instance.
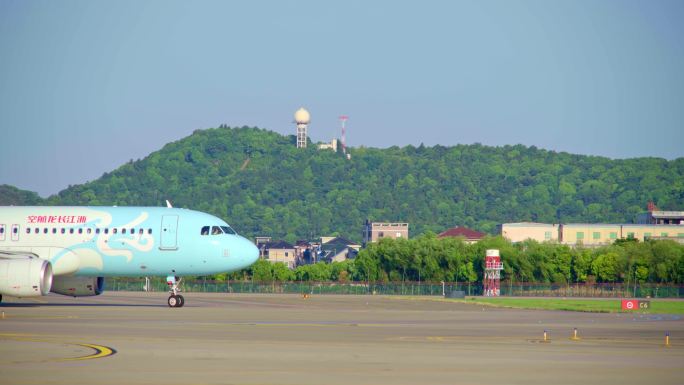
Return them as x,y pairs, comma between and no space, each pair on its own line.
135,338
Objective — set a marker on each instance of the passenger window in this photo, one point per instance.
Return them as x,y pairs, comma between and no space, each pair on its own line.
106,230
2,229
36,230
132,231
54,230
45,230
89,230
123,231
149,231
215,230
28,230
71,231
80,231
205,230
141,231
114,230
62,230
97,231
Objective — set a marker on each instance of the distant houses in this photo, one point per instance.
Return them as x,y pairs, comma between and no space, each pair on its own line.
338,249
278,251
329,249
653,225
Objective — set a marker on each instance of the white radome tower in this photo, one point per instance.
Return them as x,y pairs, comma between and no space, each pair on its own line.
302,119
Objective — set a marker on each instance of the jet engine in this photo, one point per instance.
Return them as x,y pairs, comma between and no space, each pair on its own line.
78,286
25,276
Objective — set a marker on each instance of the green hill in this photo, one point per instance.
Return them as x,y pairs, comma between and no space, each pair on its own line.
12,196
262,185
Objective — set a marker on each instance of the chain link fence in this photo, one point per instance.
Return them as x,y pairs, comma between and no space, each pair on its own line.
399,288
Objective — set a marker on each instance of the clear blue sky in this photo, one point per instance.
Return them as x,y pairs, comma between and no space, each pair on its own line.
87,85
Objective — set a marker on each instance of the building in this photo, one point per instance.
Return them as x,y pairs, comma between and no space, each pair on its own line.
589,234
470,236
328,146
520,231
374,231
306,252
658,217
260,240
279,251
586,234
603,234
260,243
338,249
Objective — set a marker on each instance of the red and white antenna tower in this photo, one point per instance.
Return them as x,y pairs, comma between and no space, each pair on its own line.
343,122
492,273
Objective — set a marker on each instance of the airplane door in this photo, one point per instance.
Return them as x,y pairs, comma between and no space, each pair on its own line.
15,232
169,232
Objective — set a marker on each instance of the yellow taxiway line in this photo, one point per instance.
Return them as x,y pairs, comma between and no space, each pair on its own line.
101,351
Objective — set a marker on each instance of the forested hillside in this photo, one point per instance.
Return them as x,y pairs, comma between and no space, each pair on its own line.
262,185
12,196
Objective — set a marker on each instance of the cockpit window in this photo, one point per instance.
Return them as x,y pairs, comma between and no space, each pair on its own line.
228,230
217,230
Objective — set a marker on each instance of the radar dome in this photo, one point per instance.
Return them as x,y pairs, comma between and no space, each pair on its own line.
302,116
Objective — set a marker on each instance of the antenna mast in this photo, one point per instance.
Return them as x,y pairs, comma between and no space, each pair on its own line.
343,122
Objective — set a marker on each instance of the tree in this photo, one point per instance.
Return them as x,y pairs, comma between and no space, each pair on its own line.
262,271
605,267
281,272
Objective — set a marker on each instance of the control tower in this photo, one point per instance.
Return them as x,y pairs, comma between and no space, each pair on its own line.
302,119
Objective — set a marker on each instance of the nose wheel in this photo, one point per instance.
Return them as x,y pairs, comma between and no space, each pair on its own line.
175,299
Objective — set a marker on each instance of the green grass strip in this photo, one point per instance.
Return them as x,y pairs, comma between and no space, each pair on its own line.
585,305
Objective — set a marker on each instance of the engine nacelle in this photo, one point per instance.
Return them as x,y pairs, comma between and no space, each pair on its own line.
77,286
25,276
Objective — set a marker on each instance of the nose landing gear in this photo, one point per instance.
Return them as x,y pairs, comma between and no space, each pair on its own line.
175,299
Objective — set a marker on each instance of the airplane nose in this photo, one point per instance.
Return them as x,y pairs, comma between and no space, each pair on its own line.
249,252
252,253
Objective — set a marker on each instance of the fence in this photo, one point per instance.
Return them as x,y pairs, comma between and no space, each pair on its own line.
405,288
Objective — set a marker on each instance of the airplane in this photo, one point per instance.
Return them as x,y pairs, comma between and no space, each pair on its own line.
70,250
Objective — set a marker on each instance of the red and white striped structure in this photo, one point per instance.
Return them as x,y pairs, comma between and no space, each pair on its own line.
492,273
343,121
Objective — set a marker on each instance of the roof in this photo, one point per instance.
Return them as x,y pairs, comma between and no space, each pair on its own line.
389,224
641,225
667,214
340,240
527,224
462,232
277,245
